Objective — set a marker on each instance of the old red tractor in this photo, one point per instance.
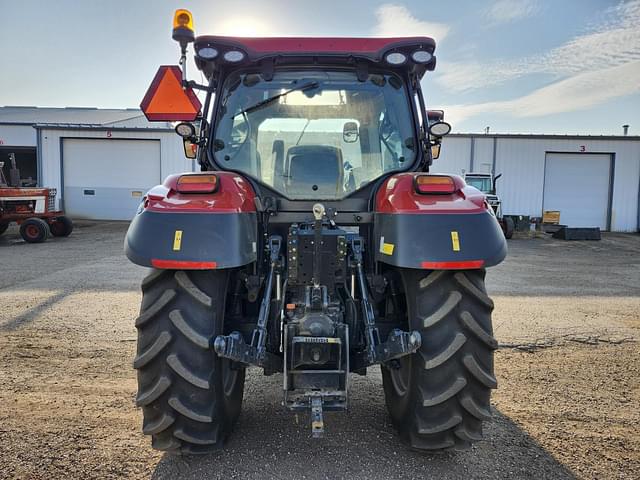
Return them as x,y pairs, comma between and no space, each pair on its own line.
314,243
33,208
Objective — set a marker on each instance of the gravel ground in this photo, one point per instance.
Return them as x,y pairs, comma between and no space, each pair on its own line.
567,404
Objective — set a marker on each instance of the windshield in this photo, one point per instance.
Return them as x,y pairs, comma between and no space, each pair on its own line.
481,183
314,135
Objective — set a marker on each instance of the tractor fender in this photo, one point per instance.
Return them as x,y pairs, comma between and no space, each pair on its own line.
195,231
435,231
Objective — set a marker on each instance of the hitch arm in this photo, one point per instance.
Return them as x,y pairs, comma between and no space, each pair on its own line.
399,343
255,353
372,335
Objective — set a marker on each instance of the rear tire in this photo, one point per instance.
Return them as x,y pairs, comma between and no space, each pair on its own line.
3,227
439,396
508,226
190,398
61,227
34,230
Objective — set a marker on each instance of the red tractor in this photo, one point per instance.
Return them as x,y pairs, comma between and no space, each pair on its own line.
32,208
314,243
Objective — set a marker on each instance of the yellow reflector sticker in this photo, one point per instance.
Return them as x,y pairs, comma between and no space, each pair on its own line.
455,241
177,241
386,248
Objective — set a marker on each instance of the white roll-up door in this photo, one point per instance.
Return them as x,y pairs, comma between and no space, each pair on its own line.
105,179
578,185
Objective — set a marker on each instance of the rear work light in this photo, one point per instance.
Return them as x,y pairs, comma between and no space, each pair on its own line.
439,184
197,183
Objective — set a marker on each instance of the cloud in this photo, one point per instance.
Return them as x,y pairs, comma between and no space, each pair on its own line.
397,20
578,92
507,11
614,42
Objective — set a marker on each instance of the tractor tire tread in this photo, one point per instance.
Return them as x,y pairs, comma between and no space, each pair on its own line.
190,334
474,327
474,409
451,376
197,440
191,413
145,397
481,296
449,392
155,308
160,425
153,276
165,444
178,367
455,345
180,378
448,424
445,309
478,372
188,286
152,352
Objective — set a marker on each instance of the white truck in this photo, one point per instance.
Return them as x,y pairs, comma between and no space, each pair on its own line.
486,183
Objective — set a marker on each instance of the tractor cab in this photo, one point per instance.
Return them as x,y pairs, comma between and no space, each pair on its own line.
315,119
314,242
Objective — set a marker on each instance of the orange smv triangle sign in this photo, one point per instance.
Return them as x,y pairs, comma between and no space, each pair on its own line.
167,101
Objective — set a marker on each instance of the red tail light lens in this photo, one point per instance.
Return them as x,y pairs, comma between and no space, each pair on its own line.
197,183
464,265
435,184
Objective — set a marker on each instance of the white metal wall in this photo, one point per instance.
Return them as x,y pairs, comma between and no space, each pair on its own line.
17,136
172,159
521,161
455,156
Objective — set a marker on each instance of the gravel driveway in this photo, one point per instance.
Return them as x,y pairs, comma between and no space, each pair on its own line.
567,316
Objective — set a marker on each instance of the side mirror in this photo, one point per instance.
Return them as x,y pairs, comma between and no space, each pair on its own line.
190,148
439,129
350,132
435,116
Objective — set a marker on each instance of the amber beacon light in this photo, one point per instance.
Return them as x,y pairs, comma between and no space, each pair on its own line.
183,30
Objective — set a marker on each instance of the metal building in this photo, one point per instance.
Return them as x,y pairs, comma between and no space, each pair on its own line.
100,161
594,181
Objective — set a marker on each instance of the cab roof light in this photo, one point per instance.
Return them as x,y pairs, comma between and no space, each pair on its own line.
421,56
435,184
207,52
395,58
197,183
234,56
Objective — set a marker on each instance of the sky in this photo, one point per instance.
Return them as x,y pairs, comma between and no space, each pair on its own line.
516,66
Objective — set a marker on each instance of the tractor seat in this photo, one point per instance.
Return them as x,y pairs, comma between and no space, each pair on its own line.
314,171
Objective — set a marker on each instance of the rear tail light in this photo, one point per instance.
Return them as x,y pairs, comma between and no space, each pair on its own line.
440,184
197,183
464,265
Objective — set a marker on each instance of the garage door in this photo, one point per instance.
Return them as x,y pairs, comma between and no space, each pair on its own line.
105,179
578,186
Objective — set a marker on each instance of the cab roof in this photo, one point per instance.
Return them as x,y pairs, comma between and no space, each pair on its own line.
311,50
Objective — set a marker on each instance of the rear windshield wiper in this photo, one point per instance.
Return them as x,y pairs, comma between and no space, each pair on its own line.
267,101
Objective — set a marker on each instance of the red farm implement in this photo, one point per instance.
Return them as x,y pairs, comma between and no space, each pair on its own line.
33,208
